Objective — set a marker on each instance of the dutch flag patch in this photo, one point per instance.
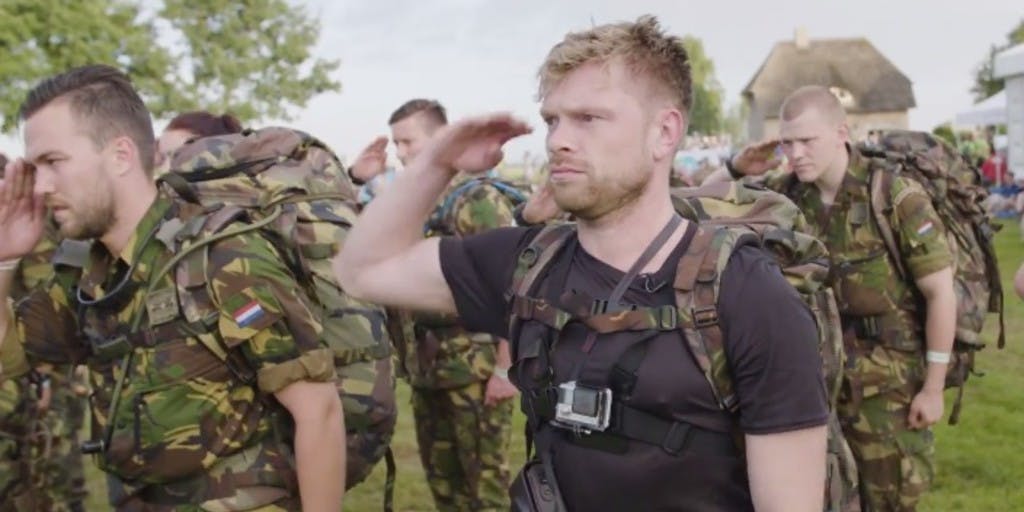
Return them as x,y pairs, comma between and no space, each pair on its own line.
925,228
248,314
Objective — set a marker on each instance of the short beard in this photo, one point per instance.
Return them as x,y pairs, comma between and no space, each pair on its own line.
598,201
94,224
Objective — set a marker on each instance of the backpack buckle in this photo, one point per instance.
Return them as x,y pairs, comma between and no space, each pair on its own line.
529,256
706,316
668,318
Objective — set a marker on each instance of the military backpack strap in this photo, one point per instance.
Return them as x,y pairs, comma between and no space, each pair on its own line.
880,183
190,242
697,286
533,261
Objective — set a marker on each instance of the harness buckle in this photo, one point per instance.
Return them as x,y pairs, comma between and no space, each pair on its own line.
706,316
675,438
668,318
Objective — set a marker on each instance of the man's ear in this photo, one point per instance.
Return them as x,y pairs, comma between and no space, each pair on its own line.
670,128
844,133
122,154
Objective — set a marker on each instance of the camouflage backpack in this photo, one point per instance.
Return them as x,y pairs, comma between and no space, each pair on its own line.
731,215
440,219
292,188
954,187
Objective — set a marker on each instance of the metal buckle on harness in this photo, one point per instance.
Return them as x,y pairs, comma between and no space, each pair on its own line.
706,316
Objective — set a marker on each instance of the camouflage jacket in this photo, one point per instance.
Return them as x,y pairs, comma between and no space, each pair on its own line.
868,289
182,427
445,354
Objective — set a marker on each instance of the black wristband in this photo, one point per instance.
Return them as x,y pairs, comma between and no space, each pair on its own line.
736,175
357,181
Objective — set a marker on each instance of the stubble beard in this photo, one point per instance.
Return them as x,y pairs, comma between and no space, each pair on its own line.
598,197
92,221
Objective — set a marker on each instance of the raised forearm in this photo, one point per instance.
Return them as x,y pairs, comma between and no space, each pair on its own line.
320,461
393,222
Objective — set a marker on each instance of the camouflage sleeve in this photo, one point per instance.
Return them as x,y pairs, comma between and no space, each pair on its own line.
480,209
12,355
264,311
919,230
47,324
35,269
776,180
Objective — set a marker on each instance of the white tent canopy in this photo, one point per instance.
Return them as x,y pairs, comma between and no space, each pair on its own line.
991,110
1010,62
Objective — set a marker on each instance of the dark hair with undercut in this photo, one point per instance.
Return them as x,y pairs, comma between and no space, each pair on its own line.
431,109
103,99
204,124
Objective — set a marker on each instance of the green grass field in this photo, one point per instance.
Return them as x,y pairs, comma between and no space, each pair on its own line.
979,461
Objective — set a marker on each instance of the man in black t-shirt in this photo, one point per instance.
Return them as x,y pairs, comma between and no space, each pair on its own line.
615,101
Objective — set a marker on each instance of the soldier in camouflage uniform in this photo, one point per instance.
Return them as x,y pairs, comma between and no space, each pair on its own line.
892,392
51,401
57,473
461,393
178,428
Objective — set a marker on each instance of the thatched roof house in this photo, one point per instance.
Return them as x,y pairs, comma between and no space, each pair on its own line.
875,93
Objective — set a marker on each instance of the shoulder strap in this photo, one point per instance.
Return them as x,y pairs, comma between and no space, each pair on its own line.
533,261
880,183
697,286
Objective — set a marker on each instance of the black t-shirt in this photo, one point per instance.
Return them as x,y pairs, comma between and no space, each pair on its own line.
770,343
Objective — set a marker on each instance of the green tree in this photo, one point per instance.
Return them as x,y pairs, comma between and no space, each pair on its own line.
985,82
250,58
945,132
259,65
706,113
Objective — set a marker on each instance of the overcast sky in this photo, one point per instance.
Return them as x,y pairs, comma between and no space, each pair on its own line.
481,55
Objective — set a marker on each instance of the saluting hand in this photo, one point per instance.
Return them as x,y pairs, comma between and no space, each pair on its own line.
22,214
757,159
372,160
474,144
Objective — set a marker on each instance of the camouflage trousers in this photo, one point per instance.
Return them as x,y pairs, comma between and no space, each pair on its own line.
895,463
240,502
48,462
463,444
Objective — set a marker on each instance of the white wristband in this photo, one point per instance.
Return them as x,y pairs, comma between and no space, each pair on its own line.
502,373
937,357
9,264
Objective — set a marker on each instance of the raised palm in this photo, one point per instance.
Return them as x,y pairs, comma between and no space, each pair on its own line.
22,215
474,144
